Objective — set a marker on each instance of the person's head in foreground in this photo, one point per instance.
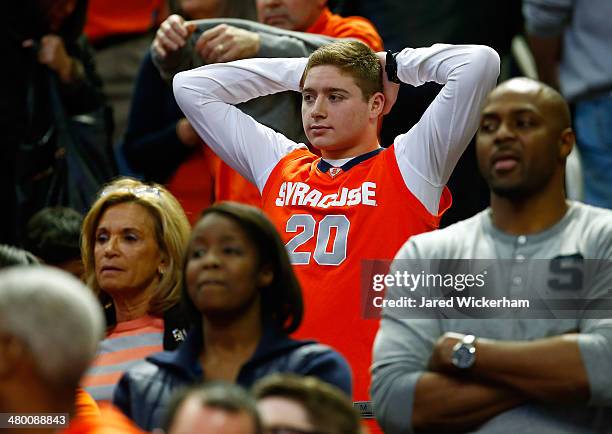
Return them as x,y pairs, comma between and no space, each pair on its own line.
54,235
290,404
133,241
342,99
237,267
523,142
212,408
50,326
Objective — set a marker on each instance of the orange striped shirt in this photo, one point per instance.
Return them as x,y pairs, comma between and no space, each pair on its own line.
127,344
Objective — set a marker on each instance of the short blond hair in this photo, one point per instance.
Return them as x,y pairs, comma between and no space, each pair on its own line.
353,58
172,232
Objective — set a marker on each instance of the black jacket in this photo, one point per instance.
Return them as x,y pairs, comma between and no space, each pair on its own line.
144,391
25,109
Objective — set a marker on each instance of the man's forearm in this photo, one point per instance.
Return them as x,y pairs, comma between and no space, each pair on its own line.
175,62
447,403
546,53
548,369
207,97
274,42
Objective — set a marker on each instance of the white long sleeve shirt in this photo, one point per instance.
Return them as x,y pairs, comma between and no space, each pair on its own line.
426,155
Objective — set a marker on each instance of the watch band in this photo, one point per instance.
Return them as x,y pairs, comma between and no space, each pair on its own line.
391,67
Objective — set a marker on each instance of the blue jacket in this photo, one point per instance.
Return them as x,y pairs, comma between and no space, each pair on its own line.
144,391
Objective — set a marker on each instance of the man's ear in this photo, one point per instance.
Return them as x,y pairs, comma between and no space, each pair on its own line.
566,143
11,354
377,104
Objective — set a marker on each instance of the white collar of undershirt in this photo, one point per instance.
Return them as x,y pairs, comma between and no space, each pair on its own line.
342,161
337,163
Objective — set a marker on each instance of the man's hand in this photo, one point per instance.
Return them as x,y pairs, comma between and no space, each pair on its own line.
186,134
225,43
172,35
442,354
390,89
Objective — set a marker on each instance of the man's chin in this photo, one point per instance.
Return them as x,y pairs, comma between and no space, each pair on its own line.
509,191
319,144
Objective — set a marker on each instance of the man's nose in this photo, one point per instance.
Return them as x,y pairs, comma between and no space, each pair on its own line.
319,108
504,133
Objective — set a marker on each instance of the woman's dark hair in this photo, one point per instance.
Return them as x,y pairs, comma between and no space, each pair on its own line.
281,301
54,235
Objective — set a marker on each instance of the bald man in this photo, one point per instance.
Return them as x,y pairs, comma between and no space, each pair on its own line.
514,374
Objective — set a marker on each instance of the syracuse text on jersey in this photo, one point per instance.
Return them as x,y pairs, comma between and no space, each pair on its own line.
299,193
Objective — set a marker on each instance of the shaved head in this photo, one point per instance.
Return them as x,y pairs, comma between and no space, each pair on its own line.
524,139
551,102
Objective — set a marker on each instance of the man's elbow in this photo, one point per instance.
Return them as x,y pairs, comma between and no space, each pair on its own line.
179,86
392,407
190,89
486,60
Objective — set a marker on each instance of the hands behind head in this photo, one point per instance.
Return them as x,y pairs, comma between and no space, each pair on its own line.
172,35
225,43
390,89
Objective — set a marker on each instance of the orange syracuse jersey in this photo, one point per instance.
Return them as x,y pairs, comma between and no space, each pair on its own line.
331,219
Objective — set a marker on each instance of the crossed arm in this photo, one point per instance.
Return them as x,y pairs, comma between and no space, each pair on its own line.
415,376
415,386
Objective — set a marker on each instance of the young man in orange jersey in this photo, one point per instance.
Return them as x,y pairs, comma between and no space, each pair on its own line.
358,201
307,25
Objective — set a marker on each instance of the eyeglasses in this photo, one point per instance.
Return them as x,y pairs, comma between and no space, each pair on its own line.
136,191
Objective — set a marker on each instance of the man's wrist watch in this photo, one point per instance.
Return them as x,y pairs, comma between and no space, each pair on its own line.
391,67
464,352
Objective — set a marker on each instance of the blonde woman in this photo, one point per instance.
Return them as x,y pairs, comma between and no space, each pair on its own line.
133,241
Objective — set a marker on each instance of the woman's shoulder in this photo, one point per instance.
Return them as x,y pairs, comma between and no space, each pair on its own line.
322,361
315,352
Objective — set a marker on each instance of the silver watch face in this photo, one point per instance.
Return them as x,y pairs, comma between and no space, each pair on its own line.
464,356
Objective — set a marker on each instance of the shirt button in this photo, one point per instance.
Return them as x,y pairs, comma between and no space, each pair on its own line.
522,239
517,280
